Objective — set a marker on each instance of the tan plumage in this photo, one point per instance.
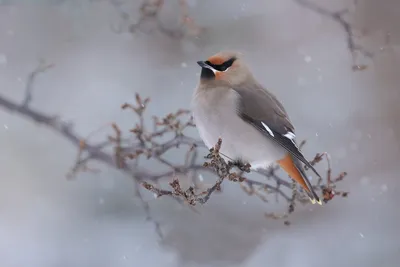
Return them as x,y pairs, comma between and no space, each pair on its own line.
254,126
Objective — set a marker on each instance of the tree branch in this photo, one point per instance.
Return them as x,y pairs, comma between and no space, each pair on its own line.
338,17
150,10
167,133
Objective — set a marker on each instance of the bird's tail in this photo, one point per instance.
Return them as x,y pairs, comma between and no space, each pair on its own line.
294,169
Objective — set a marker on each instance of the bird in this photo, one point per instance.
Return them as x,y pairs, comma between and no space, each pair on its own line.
229,103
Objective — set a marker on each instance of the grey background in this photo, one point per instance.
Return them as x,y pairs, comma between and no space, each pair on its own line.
301,56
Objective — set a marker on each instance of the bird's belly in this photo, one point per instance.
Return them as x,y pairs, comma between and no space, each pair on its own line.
240,141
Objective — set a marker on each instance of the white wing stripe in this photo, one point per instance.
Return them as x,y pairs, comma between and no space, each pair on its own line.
268,129
290,135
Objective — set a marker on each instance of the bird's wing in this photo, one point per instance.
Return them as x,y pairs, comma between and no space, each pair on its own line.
262,110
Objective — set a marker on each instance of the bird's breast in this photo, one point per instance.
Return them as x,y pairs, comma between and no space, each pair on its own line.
215,115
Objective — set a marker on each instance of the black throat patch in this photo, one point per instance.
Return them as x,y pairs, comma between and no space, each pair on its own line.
207,74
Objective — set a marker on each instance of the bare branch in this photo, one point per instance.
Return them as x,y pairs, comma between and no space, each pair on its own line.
338,17
168,133
41,68
149,12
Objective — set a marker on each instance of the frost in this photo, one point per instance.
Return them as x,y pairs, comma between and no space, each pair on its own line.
3,59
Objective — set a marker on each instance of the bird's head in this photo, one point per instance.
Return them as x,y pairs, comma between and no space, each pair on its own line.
224,67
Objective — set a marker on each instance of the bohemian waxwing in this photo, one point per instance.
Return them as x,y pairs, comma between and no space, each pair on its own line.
230,104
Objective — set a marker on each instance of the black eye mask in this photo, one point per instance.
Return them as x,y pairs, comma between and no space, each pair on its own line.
222,67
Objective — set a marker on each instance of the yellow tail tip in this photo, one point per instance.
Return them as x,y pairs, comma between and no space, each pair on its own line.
313,201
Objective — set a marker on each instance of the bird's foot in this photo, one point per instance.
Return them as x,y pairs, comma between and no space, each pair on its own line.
210,155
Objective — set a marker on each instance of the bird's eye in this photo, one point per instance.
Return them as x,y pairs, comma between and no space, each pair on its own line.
227,64
222,67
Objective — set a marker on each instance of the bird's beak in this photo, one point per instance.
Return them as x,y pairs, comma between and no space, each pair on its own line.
203,65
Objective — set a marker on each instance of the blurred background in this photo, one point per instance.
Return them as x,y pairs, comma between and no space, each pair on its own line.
101,59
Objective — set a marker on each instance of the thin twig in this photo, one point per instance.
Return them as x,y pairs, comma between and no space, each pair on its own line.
41,68
154,144
338,17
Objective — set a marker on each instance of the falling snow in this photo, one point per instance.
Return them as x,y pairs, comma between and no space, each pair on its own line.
307,59
384,188
222,232
201,178
3,59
